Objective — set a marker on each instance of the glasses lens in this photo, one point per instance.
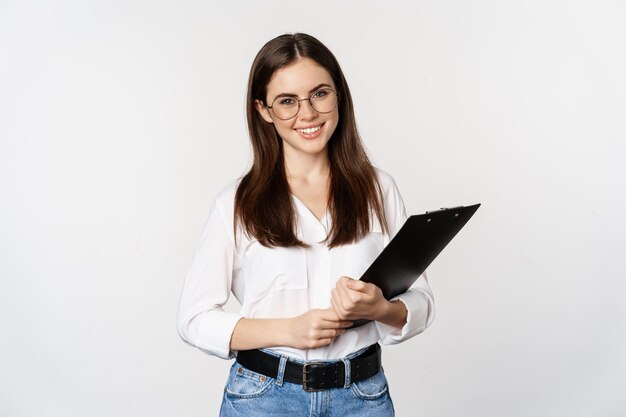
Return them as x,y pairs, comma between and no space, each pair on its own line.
324,100
285,107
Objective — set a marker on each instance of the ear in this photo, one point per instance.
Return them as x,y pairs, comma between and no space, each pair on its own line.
263,111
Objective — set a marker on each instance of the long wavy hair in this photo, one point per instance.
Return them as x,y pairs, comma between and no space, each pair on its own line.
354,185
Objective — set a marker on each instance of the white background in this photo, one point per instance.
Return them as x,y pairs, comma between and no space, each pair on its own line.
121,120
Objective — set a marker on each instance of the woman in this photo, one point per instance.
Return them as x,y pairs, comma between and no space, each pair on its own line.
290,240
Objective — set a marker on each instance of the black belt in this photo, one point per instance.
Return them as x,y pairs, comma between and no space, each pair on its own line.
314,376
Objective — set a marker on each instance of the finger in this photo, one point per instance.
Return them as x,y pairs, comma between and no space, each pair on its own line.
343,279
341,287
339,323
335,301
341,314
329,315
324,342
346,297
331,333
333,295
344,305
356,285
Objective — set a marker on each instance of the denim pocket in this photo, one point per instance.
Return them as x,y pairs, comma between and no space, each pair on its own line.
244,383
371,388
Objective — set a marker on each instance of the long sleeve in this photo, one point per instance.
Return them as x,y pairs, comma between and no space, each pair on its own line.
419,300
201,320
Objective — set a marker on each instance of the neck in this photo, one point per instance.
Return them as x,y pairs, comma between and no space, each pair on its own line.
306,167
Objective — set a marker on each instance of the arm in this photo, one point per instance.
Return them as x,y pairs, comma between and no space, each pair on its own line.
420,309
353,299
403,316
418,300
393,313
398,319
258,333
201,320
313,329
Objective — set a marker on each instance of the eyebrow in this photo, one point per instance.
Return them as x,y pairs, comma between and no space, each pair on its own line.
310,91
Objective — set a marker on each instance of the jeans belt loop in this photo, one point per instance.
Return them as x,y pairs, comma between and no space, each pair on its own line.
346,365
281,370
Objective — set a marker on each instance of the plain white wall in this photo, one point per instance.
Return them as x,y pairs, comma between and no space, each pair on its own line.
120,120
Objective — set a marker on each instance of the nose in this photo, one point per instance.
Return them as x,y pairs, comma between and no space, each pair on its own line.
306,110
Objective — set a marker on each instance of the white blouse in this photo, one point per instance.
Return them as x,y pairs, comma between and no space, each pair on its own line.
286,282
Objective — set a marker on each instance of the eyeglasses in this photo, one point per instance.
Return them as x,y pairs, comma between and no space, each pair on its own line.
323,100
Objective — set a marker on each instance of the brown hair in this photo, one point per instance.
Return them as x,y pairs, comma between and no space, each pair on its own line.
354,186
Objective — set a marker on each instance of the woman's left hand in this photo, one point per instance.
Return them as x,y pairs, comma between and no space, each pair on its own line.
354,299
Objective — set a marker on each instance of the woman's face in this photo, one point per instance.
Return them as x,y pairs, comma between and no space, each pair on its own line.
300,79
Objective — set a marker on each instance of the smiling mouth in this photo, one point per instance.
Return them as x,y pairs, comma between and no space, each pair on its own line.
309,130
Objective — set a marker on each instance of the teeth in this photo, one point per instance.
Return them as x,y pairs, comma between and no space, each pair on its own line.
309,130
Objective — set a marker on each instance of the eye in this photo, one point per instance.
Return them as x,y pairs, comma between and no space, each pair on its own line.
287,101
321,93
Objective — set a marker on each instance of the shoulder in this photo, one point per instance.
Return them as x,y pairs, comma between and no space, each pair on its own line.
222,205
226,195
225,203
386,181
392,201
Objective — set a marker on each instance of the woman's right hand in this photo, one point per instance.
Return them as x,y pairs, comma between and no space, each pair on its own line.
315,328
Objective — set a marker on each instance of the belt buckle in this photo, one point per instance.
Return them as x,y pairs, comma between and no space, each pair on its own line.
305,371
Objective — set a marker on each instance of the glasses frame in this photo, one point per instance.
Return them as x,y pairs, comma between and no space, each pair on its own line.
304,99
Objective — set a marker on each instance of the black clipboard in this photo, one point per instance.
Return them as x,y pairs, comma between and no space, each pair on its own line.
418,242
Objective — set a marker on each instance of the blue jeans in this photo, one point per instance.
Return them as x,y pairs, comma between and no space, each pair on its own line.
250,394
